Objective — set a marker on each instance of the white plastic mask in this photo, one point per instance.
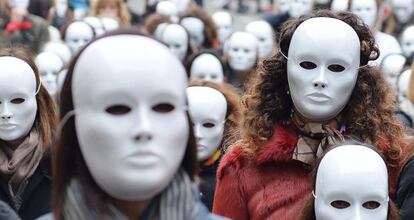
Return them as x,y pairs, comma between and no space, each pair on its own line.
96,23
403,83
54,33
367,10
176,38
109,24
264,33
351,183
137,7
224,25
300,7
78,34
59,48
208,108
243,50
182,5
392,67
339,5
61,8
407,41
321,80
49,64
195,28
403,10
128,92
207,67
168,9
18,106
284,6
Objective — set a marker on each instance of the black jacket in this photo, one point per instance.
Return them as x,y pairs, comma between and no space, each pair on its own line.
405,191
208,184
37,195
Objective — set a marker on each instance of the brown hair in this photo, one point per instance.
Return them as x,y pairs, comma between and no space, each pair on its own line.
410,91
232,96
308,211
210,31
123,12
368,115
68,162
46,117
151,22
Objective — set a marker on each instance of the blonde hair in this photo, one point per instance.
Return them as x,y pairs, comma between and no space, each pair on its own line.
124,17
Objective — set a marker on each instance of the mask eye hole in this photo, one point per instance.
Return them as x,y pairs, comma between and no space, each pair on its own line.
163,108
214,76
118,109
371,205
208,125
308,65
340,204
17,101
336,68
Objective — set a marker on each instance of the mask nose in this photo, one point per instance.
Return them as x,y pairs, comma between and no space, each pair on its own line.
197,132
143,131
320,82
5,113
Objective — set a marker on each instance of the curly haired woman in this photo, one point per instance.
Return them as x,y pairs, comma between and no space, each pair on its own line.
317,89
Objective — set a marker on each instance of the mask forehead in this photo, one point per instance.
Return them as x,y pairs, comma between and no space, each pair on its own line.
206,103
14,72
120,69
48,61
193,25
222,18
206,62
79,30
175,33
243,40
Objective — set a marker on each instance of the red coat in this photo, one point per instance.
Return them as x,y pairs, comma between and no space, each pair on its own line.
270,185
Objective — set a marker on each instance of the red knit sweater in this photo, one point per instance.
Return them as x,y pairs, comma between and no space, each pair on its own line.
271,185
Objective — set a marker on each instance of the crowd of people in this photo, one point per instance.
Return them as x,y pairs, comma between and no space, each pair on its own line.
163,110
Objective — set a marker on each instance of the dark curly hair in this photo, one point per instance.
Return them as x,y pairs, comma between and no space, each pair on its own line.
369,114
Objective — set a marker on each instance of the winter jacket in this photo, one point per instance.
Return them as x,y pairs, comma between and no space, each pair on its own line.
37,195
405,191
208,184
268,185
33,38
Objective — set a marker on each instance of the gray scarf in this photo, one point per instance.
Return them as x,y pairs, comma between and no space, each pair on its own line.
179,201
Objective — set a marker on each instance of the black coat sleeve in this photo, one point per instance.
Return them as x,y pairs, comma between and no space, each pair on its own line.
405,192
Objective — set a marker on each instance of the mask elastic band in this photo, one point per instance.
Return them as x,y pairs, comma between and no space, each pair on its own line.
38,88
313,194
66,119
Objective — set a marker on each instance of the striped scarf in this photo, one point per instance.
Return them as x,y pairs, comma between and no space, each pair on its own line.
179,201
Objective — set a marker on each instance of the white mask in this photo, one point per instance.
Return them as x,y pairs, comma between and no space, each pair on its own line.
300,7
79,13
18,105
78,34
59,48
339,5
407,41
284,6
367,10
208,108
321,79
207,67
224,24
264,33
137,7
182,5
243,49
195,28
49,64
403,10
176,38
54,33
168,9
159,30
61,8
124,112
351,183
392,67
96,23
403,83
109,24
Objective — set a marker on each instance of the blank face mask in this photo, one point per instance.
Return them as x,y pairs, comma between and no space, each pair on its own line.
207,67
407,41
321,79
176,38
78,34
49,64
392,66
208,108
264,33
243,49
367,10
224,24
351,183
128,92
18,106
195,28
403,10
300,7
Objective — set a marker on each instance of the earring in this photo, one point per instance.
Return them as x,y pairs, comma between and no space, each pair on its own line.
287,92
